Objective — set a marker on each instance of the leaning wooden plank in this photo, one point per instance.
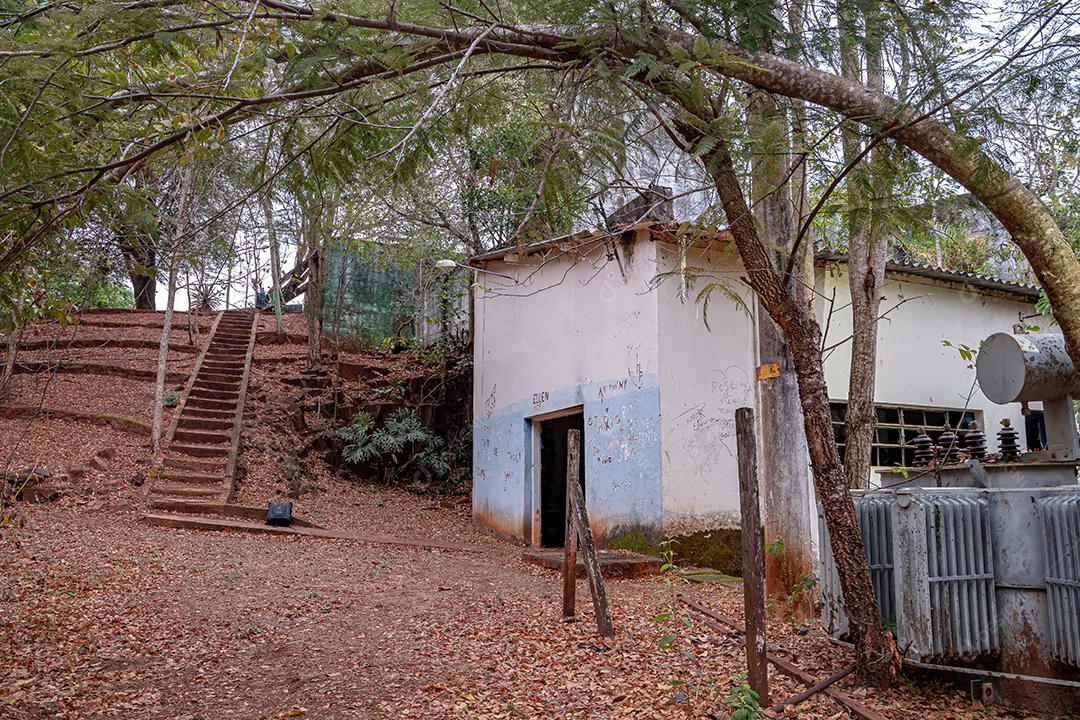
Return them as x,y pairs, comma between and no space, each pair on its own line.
787,667
585,539
813,689
188,522
569,568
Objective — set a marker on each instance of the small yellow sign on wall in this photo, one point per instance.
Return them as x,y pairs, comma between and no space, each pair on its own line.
769,370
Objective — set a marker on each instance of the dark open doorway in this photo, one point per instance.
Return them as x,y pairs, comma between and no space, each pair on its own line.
553,455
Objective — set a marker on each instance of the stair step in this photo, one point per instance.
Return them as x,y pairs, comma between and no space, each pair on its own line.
223,373
229,383
185,491
202,403
225,365
200,423
186,462
201,382
200,437
193,478
231,396
199,450
210,413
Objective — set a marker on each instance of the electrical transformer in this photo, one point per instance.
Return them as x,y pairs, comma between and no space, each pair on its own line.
975,556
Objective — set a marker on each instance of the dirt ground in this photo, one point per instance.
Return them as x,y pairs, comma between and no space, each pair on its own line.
104,617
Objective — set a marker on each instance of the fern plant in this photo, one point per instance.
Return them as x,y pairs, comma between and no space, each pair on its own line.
402,448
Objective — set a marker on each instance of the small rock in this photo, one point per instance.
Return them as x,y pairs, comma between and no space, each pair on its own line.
41,491
108,453
99,463
78,471
296,416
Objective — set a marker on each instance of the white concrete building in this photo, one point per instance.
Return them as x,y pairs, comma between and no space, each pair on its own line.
605,333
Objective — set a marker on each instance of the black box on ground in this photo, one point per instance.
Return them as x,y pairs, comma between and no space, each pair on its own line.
279,514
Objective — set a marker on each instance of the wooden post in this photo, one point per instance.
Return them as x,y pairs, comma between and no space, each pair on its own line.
569,568
753,558
585,538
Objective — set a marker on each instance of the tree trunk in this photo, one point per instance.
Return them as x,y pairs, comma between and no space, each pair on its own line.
163,357
867,246
275,260
313,305
140,256
190,314
785,473
875,651
187,184
145,289
17,325
1019,209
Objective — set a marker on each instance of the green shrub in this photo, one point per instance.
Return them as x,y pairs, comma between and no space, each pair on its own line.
402,449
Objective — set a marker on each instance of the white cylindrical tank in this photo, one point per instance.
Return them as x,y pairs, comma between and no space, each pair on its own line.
1018,368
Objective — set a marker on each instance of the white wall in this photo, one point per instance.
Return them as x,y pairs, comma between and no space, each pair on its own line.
705,374
568,331
563,320
915,367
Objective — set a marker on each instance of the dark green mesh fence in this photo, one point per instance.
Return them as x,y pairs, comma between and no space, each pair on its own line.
376,301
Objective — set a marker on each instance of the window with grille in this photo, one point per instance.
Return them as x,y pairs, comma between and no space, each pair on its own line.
897,426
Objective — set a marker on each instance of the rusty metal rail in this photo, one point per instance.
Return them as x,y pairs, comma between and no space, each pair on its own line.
788,668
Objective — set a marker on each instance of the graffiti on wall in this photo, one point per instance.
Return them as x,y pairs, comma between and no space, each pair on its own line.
706,430
489,401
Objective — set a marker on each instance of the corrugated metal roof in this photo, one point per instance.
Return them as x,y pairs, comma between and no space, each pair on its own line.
968,279
585,237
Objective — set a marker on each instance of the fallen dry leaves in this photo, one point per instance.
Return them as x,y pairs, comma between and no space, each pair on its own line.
103,617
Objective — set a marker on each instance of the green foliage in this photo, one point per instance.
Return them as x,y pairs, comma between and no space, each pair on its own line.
966,352
511,162
402,448
804,586
742,701
955,247
171,399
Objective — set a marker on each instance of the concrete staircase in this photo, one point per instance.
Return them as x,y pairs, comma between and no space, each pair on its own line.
198,457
